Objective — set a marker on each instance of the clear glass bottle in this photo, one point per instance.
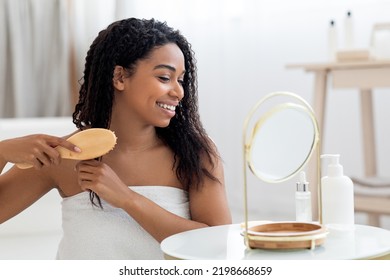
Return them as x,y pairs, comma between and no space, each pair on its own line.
303,211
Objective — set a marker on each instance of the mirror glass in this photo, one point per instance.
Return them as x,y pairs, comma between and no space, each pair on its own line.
281,142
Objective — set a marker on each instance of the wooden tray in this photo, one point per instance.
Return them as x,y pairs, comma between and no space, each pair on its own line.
286,235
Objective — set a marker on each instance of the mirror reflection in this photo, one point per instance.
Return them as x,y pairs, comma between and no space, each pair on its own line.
281,142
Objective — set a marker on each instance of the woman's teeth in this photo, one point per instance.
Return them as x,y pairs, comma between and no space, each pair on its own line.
166,106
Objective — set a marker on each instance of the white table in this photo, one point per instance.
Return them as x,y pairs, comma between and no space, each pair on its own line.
226,242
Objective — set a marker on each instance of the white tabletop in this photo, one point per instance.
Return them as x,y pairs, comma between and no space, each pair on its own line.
227,242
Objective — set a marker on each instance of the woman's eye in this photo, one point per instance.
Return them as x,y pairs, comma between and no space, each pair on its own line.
181,82
164,79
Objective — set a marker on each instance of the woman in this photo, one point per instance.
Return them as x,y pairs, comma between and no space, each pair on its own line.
164,175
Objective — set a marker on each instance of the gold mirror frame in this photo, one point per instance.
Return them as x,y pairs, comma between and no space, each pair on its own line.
255,134
300,104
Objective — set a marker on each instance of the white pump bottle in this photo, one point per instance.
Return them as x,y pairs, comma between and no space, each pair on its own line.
337,197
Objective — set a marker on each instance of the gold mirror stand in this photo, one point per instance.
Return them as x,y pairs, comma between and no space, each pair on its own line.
246,148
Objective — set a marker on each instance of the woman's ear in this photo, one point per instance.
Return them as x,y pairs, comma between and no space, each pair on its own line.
118,78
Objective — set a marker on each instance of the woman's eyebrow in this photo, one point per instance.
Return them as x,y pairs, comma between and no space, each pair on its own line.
166,66
169,67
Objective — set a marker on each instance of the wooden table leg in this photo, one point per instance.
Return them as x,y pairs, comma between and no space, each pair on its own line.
319,102
368,132
369,147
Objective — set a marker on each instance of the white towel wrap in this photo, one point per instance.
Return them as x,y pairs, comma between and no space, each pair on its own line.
110,233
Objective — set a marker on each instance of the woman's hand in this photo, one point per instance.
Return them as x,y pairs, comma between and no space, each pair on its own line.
100,178
38,150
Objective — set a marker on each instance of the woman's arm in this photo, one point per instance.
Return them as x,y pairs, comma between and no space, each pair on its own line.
21,188
208,203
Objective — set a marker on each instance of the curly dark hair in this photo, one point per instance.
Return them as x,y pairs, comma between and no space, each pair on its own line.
124,43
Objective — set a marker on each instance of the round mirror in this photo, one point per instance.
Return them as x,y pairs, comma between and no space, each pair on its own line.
280,135
281,142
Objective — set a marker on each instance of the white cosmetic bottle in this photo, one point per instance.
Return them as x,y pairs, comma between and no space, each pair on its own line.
337,197
303,200
348,30
332,41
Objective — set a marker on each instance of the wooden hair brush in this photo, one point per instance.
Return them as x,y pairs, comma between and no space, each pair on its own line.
93,142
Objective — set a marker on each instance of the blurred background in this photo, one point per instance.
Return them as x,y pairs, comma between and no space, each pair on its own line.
242,48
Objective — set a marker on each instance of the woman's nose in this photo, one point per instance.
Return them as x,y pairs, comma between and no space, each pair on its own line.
177,91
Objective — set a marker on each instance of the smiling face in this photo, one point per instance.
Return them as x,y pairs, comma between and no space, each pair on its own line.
150,95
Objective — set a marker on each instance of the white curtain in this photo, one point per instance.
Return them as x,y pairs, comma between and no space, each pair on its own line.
34,58
36,39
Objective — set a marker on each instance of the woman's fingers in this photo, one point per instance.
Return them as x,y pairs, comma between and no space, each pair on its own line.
36,149
87,166
45,160
86,171
100,178
48,155
58,141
